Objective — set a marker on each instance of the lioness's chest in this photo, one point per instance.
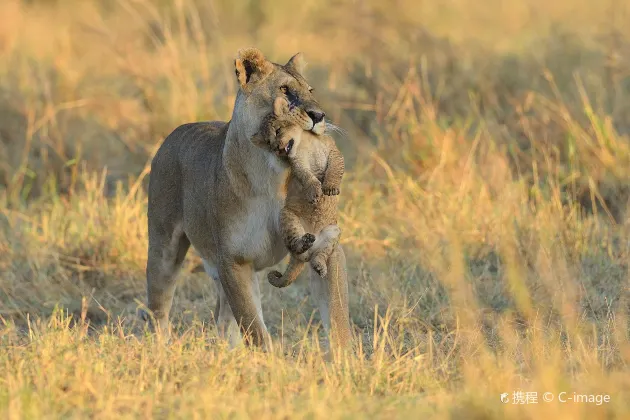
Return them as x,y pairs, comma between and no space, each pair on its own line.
256,236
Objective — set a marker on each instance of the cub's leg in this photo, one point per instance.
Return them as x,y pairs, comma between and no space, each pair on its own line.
334,170
331,294
167,250
323,247
295,237
300,169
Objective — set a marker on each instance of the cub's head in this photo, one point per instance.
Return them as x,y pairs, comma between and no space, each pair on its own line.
261,82
281,130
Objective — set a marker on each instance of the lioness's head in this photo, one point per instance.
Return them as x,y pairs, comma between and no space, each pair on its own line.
262,81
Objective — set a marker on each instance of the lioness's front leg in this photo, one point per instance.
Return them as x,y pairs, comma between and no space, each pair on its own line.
238,282
227,328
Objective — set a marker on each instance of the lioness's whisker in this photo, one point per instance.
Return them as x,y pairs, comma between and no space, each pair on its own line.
330,128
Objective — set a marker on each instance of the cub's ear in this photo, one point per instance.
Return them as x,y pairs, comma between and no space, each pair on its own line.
250,67
280,106
296,63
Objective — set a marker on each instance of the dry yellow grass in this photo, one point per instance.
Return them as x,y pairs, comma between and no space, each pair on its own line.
484,211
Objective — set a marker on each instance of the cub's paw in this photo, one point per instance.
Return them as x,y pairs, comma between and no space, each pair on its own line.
314,192
308,239
320,268
328,190
303,244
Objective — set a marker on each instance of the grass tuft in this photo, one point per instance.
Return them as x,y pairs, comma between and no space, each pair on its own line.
484,211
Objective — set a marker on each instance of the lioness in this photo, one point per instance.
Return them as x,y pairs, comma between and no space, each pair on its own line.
212,188
311,158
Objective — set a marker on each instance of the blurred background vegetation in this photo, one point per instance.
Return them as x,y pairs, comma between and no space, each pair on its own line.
103,82
487,141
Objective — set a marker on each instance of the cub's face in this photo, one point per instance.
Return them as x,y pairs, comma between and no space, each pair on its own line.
281,131
288,139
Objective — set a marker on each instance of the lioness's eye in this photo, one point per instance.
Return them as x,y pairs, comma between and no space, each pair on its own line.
283,89
278,132
310,89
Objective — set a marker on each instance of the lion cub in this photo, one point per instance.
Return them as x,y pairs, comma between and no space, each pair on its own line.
317,167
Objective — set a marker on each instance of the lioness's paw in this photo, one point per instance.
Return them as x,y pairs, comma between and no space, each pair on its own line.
314,192
328,190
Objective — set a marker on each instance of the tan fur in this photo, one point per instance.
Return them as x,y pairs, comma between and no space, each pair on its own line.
308,219
249,59
211,188
310,157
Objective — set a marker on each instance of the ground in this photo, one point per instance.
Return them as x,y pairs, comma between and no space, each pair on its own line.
484,210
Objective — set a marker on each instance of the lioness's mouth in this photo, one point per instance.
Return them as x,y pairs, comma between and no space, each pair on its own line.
317,128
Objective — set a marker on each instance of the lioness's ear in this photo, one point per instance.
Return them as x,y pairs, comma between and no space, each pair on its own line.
297,63
250,67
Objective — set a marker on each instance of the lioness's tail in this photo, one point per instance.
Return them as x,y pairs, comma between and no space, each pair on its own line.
292,272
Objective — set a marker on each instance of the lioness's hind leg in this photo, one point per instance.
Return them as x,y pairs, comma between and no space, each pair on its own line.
165,258
331,294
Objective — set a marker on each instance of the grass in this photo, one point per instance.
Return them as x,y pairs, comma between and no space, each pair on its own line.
484,212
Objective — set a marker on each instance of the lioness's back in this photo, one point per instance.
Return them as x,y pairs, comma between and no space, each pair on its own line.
210,134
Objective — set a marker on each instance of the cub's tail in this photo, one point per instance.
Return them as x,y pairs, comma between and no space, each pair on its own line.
292,272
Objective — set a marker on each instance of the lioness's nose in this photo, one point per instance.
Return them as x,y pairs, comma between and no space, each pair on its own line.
316,116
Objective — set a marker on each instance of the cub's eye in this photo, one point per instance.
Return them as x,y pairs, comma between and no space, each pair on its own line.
278,132
283,89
